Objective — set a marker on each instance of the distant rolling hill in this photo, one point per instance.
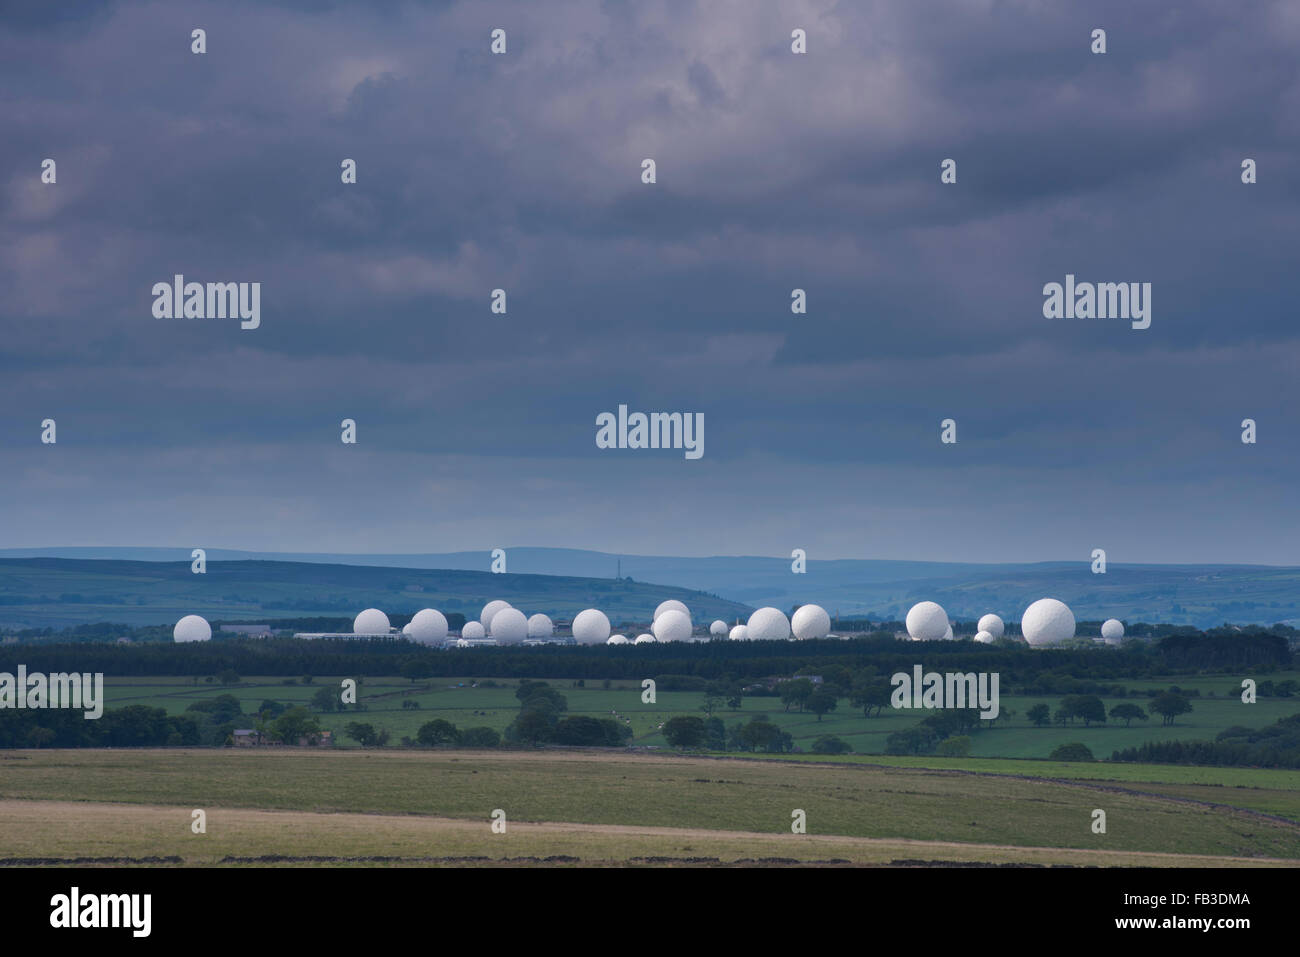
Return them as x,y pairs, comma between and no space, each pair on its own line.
1200,595
59,592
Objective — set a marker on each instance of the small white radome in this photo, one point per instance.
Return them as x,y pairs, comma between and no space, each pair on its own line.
643,639
372,621
985,638
768,624
540,626
718,629
472,629
509,624
672,604
590,627
192,628
810,621
616,640
489,610
927,621
1047,622
672,625
427,626
739,633
993,625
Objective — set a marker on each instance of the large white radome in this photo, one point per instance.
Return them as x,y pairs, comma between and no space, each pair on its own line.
472,629
739,633
672,625
993,625
642,639
490,610
927,621
1112,629
810,621
672,604
192,628
509,624
540,626
1047,622
718,629
428,626
372,621
591,627
985,638
768,624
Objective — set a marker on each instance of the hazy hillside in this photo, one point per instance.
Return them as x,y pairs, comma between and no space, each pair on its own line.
54,592
1200,595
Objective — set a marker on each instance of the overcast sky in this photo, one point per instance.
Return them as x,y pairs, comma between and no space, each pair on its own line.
775,171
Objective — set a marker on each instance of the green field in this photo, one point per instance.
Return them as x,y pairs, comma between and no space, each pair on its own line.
464,706
590,807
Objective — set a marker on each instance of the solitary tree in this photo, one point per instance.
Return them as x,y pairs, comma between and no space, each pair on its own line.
1128,713
1169,706
1039,714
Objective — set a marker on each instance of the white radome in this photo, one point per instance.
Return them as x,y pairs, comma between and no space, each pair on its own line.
1112,629
642,639
617,640
993,625
192,628
739,633
540,626
985,638
406,629
489,610
927,621
672,604
1047,622
472,629
768,624
672,625
509,624
810,621
591,627
427,626
719,629
463,642
947,635
372,621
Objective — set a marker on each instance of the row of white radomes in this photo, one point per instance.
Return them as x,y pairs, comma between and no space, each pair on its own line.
1045,622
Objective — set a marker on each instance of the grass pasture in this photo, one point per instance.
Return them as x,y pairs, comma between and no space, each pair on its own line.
589,807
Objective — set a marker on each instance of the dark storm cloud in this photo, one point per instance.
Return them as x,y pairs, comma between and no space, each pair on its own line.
774,172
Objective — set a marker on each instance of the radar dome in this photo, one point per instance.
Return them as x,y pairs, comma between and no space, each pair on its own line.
463,642
993,625
1047,622
672,625
718,629
985,638
672,604
406,629
1112,629
947,635
428,626
927,621
372,621
642,639
617,640
540,626
591,627
768,624
739,633
192,628
490,609
472,629
509,624
810,621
